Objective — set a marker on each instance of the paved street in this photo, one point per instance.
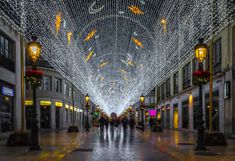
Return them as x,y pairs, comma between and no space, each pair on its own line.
118,146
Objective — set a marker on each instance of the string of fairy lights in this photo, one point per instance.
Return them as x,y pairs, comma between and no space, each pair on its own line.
116,50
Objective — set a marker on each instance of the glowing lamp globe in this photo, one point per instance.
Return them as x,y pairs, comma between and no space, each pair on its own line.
142,98
87,98
200,51
34,50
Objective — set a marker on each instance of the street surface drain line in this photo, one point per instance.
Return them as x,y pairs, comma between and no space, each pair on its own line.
206,153
185,144
83,150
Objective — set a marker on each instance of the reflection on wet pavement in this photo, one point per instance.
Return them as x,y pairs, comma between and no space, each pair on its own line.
117,145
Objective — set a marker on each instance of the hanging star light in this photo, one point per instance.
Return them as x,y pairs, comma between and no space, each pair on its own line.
163,22
189,20
90,35
135,10
89,55
69,35
137,42
58,22
131,63
103,64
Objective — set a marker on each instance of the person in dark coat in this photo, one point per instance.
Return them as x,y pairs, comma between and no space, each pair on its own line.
102,123
124,123
132,124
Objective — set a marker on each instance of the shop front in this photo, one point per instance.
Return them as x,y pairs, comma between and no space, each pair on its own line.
58,106
6,107
28,112
45,114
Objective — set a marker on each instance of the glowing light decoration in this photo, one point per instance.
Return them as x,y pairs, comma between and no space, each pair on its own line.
69,36
89,56
187,20
137,42
163,22
135,10
90,35
103,64
58,22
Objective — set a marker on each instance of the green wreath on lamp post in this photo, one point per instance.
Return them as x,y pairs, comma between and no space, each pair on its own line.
34,77
201,77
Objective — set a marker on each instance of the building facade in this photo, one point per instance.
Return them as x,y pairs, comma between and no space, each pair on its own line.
177,98
59,103
10,78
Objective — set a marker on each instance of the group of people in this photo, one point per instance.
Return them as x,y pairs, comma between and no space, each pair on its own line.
115,123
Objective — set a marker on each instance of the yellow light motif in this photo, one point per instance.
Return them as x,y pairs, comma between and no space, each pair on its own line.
90,35
137,42
58,22
122,70
28,102
69,35
163,22
103,64
135,10
89,56
66,106
131,63
125,78
58,104
45,103
101,78
71,107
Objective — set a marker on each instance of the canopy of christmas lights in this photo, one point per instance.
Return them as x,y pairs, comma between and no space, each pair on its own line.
114,50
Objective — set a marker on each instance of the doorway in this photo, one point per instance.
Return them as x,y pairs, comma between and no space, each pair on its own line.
57,117
45,117
175,116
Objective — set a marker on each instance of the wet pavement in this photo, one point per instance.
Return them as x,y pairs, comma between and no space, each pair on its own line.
117,145
168,145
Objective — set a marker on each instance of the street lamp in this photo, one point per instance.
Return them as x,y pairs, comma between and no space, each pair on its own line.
142,111
87,100
200,53
34,51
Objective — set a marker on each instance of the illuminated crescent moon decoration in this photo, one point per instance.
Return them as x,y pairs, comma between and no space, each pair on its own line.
94,11
129,59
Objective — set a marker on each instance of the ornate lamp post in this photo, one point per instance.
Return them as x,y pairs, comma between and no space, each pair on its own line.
142,110
87,100
34,51
200,53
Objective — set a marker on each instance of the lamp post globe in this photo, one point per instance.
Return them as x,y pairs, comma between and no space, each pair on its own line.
200,53
34,51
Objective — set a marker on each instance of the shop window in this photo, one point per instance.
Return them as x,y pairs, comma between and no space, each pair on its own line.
217,56
175,116
195,107
168,88
58,85
176,82
215,110
185,114
167,116
187,76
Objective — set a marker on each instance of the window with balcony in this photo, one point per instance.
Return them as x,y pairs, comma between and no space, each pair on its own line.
58,85
6,53
217,56
168,88
176,82
163,91
187,76
46,83
66,89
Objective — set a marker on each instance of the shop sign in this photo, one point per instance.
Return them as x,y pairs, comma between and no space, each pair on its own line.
227,90
58,104
7,91
45,103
